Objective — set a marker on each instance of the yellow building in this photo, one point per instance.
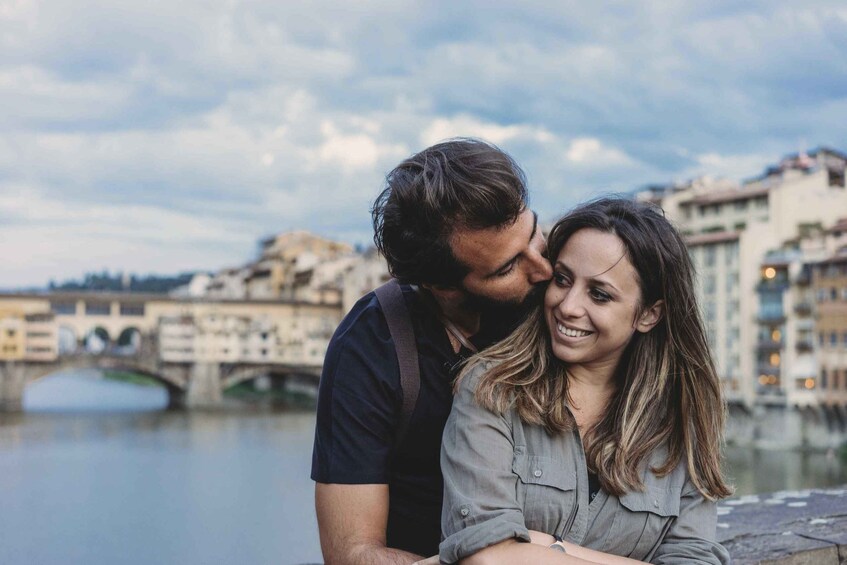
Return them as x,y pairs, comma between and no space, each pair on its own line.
12,334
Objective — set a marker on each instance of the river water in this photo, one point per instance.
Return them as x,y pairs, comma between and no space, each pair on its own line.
95,471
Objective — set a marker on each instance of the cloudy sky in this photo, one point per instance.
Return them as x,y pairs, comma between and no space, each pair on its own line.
165,136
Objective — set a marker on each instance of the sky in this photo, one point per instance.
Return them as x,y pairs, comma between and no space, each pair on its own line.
171,136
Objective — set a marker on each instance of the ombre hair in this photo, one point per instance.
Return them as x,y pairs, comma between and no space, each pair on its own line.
667,391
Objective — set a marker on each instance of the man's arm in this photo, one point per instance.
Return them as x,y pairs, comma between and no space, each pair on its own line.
352,521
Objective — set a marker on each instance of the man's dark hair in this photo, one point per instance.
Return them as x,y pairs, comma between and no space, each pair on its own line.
457,184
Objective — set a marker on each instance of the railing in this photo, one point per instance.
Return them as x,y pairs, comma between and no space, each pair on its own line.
771,316
804,345
769,345
803,308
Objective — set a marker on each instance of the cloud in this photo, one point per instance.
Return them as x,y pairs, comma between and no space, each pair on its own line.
212,124
590,151
468,126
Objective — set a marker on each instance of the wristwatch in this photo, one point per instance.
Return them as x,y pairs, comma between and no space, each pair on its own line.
557,545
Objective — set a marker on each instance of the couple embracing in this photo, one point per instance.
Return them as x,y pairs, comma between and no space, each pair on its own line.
568,409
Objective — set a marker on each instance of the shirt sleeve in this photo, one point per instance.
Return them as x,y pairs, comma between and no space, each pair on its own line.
357,402
480,505
691,537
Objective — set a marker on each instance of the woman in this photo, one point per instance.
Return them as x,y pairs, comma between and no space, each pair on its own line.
599,420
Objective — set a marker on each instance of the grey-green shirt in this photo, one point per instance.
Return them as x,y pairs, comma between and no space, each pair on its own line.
503,477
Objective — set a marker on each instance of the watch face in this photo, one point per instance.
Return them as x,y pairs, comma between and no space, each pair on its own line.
557,547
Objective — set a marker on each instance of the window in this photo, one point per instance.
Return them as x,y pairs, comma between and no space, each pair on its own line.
709,284
823,378
731,282
132,309
833,339
740,205
709,259
65,308
97,309
805,384
731,253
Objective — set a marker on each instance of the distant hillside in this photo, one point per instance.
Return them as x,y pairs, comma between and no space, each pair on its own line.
119,282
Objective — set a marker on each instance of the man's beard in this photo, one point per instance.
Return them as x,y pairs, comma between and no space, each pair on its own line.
508,312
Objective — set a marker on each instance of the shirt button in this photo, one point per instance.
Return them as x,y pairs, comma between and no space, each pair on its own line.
464,511
656,503
537,473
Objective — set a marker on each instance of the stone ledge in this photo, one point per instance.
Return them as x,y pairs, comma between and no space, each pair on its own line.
786,528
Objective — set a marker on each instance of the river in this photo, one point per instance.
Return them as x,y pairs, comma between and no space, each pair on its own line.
97,472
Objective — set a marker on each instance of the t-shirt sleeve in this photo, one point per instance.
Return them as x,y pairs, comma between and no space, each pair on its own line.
357,401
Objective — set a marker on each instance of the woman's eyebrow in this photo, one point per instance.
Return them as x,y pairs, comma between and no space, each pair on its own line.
593,279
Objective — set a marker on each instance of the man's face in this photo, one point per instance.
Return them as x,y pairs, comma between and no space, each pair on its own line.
505,263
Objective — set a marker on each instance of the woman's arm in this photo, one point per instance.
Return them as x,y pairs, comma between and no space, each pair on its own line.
691,538
511,552
481,519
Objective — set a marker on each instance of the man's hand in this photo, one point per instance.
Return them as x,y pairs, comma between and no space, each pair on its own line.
352,521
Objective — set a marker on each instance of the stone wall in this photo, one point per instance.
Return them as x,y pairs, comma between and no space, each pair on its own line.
786,528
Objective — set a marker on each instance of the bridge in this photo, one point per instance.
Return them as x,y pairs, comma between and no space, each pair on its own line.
195,348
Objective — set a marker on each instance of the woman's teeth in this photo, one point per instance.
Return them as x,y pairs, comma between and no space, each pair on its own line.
571,333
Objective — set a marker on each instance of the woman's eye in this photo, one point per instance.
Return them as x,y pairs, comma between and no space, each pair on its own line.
600,296
561,279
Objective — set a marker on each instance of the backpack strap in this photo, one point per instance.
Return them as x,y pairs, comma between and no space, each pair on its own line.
390,297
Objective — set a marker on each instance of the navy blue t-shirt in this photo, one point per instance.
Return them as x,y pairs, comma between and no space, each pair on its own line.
359,410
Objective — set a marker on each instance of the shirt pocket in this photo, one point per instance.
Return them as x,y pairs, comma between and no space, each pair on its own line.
546,490
642,521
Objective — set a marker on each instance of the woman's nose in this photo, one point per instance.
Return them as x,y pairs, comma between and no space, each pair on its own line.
571,305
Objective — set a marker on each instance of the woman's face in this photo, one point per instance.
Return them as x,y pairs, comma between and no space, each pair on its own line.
592,302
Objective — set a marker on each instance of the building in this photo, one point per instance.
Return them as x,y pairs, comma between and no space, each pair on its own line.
741,234
829,287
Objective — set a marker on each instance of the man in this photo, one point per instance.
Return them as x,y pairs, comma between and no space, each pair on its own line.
453,221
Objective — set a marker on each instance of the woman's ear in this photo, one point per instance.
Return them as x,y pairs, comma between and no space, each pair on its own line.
650,317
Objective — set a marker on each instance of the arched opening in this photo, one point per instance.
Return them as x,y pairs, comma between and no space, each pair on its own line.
129,342
269,386
92,389
97,341
68,343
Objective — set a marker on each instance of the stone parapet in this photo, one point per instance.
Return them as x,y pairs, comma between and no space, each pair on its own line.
786,528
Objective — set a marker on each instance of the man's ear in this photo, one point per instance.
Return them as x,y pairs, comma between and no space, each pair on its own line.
650,317
444,292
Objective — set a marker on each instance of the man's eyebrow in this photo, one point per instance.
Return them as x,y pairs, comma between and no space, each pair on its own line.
512,260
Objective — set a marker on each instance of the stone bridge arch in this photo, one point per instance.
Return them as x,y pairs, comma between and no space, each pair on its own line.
233,376
175,383
129,341
97,340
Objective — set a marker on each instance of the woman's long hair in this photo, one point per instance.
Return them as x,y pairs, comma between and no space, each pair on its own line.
667,391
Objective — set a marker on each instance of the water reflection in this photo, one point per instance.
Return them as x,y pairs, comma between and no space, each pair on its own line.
95,475
89,391
97,472
759,471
